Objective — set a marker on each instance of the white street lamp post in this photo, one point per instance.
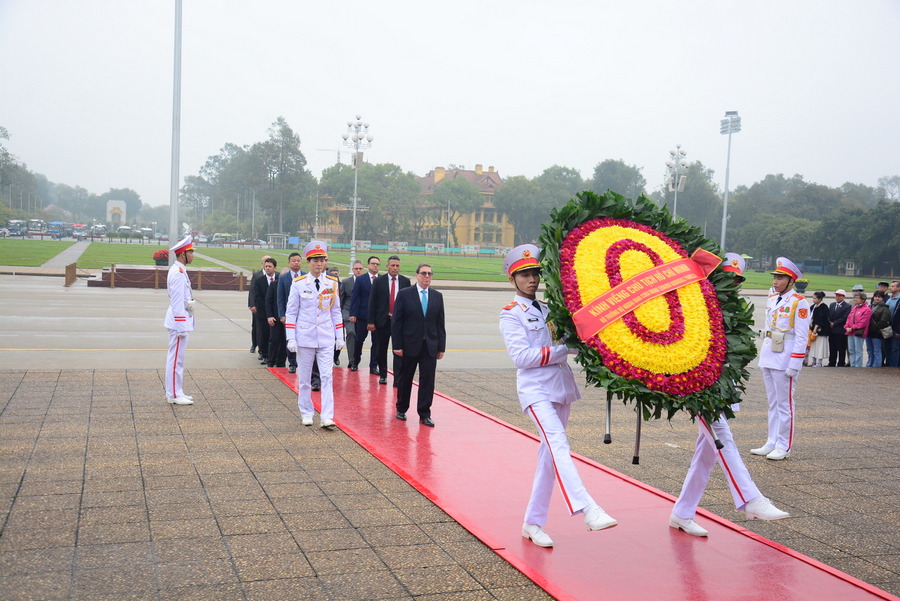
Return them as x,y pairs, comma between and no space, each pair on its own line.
358,138
676,166
731,124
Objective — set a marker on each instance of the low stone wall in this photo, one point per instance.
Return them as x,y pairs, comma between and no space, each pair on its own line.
140,276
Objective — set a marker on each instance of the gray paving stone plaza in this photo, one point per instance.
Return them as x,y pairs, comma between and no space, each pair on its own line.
108,492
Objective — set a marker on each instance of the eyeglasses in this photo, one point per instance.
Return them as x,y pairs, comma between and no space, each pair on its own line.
427,274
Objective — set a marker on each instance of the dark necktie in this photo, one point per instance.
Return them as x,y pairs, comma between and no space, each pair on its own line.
537,306
778,301
317,283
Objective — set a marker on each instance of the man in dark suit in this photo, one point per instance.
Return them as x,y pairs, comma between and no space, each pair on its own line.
277,340
284,291
346,294
838,312
420,339
259,288
359,315
381,306
252,307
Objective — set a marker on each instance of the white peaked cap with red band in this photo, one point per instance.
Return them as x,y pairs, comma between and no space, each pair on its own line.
784,266
184,245
524,256
315,248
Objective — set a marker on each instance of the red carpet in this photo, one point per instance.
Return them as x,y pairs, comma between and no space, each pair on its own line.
479,469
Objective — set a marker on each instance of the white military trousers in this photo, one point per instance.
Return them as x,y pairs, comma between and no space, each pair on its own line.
175,365
743,489
780,392
555,464
325,358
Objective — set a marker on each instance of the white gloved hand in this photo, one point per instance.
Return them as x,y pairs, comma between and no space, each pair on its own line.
292,345
791,373
182,335
338,344
189,306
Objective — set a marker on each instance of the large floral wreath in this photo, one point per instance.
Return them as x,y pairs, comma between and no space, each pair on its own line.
686,349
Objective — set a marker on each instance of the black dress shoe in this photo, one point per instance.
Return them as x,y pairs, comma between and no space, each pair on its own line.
316,387
401,416
270,365
292,369
382,380
252,349
427,422
374,371
263,360
353,368
337,361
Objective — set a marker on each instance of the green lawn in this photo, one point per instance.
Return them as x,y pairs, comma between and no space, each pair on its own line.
33,253
21,252
103,254
817,281
480,269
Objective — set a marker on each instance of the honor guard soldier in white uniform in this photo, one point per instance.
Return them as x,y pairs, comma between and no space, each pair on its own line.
546,388
746,495
179,320
781,358
314,329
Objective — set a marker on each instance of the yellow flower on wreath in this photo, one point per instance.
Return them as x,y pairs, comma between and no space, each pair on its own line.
677,357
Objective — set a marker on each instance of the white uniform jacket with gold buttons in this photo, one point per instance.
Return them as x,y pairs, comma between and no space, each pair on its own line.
178,285
791,317
543,371
313,317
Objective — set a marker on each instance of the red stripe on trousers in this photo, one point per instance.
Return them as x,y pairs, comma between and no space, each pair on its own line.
555,470
725,465
175,365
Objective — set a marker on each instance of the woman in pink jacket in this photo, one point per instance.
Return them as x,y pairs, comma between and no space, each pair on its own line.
857,328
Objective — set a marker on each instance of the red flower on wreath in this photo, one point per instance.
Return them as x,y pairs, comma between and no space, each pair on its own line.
674,343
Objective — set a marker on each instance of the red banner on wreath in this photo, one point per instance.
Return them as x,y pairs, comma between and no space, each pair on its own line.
638,289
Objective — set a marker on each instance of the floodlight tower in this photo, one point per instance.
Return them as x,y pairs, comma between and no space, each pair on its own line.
676,166
731,124
358,138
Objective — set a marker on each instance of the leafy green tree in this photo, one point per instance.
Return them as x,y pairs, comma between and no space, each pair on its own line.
891,187
523,203
700,202
615,175
460,196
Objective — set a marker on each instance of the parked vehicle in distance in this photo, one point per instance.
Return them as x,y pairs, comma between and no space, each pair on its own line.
98,230
4,233
17,227
221,239
57,229
36,227
79,231
147,232
812,266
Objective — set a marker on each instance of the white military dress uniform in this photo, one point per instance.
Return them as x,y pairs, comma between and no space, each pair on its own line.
547,389
179,321
787,315
313,319
743,489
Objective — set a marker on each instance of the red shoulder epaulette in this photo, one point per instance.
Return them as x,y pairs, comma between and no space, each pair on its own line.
510,306
800,296
181,270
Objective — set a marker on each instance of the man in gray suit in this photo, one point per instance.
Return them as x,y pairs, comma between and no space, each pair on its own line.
346,292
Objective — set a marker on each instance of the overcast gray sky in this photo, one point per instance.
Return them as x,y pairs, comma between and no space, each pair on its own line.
86,85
